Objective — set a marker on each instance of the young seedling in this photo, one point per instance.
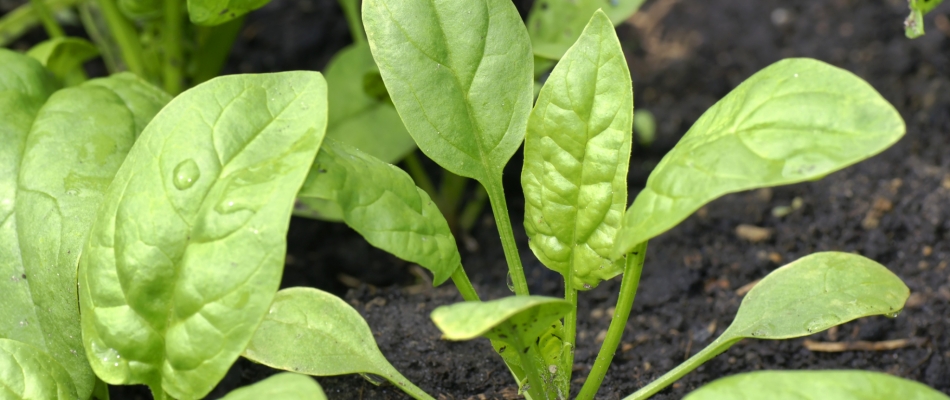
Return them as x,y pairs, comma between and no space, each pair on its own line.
914,24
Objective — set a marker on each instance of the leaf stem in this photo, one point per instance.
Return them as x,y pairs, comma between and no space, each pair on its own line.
419,175
628,291
171,41
536,384
715,348
460,279
473,209
496,195
125,36
570,330
400,381
352,14
46,17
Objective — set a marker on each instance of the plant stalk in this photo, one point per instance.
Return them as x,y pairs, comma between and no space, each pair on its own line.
628,291
352,14
570,329
460,279
125,36
171,43
537,388
496,195
46,17
714,349
419,175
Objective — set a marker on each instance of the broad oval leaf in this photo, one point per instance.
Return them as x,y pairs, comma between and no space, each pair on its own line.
577,150
360,113
794,121
554,25
817,292
283,386
815,385
30,373
187,251
492,319
460,75
381,202
313,332
217,12
64,55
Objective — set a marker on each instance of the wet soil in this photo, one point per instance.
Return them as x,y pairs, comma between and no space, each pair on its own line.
683,56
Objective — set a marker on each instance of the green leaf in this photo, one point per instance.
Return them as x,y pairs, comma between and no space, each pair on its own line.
64,56
914,24
554,25
20,20
460,75
576,155
217,12
283,386
807,296
794,121
140,97
187,251
141,9
313,332
814,385
381,202
359,117
30,373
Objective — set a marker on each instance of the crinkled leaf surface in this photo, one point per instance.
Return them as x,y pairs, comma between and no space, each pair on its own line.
283,386
187,251
313,332
359,110
382,203
815,385
61,162
796,120
460,75
216,12
576,154
554,25
27,372
64,54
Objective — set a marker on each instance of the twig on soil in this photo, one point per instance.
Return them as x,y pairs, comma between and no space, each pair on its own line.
746,288
837,347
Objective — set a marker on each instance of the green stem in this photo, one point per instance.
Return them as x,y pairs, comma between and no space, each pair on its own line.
15,23
125,36
91,18
496,195
46,17
418,174
452,188
460,279
537,387
171,40
628,291
570,329
352,13
473,209
214,47
392,375
715,348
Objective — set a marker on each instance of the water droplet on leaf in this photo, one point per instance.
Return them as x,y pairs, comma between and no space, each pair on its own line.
821,323
764,329
894,314
186,174
511,284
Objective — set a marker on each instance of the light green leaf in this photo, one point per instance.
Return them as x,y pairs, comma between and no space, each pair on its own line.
807,296
515,326
794,121
576,155
815,385
187,250
283,386
64,56
460,75
76,144
141,9
360,112
313,332
141,98
554,25
217,12
914,24
26,372
381,202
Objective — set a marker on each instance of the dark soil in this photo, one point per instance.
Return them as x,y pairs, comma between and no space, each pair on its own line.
893,208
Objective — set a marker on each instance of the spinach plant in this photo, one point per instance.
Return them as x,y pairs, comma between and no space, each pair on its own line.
914,24
460,76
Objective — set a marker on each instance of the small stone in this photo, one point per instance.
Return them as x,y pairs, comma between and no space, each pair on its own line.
927,250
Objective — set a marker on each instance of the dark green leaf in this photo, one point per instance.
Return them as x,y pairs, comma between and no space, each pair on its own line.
64,57
187,251
216,12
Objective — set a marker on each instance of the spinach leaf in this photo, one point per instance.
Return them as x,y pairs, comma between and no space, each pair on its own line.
186,253
555,25
814,385
807,296
64,57
515,325
283,386
576,154
381,202
216,12
313,332
141,9
794,121
460,75
30,373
